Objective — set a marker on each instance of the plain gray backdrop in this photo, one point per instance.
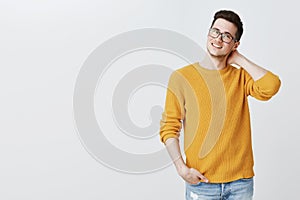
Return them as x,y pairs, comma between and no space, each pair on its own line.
43,45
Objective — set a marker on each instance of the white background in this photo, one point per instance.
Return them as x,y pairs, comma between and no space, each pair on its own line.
43,45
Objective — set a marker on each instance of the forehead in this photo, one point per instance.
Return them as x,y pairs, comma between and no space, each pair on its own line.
225,26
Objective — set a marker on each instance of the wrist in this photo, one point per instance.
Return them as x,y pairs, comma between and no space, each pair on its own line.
181,167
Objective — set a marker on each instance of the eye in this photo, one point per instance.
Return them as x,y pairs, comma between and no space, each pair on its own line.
215,31
227,36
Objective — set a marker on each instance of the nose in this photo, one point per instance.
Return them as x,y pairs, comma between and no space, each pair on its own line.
219,38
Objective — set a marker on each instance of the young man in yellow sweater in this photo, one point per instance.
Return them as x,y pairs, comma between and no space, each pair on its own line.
210,100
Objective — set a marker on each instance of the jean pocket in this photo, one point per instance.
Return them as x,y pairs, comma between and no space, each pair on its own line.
194,185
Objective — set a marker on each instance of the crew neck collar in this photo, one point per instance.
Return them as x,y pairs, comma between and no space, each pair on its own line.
206,70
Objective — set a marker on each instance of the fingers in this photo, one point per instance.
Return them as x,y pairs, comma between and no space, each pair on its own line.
203,178
199,175
193,176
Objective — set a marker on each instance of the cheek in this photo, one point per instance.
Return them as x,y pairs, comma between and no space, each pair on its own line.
209,39
230,47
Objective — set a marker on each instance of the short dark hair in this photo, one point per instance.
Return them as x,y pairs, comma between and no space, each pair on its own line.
231,17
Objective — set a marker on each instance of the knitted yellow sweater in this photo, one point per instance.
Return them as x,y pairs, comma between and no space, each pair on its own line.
213,108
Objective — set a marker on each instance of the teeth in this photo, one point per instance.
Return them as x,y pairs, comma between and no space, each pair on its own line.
216,45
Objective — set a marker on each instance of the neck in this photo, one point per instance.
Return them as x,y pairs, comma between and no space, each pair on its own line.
214,62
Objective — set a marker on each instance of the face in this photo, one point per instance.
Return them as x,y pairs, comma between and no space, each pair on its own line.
215,46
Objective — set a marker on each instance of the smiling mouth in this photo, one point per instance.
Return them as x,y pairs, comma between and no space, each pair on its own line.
217,46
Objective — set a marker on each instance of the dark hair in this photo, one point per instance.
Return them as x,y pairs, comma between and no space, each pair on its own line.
231,17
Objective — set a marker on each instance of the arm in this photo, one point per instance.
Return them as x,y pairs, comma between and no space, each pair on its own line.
190,175
255,71
170,126
259,82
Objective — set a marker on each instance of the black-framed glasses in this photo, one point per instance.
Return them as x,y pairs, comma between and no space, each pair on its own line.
226,37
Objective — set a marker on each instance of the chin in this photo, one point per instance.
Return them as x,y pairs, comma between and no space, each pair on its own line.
216,54
213,53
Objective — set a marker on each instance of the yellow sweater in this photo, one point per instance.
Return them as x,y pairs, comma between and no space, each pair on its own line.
213,108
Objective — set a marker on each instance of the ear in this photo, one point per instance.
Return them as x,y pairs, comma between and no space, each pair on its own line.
236,44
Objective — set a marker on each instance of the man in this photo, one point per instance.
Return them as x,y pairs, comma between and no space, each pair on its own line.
210,99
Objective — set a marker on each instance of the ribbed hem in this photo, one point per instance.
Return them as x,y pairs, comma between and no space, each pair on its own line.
221,179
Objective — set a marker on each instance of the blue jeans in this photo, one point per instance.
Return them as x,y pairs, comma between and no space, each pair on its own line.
241,189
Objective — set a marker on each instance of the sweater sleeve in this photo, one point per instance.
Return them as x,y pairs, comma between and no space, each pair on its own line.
171,121
263,88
